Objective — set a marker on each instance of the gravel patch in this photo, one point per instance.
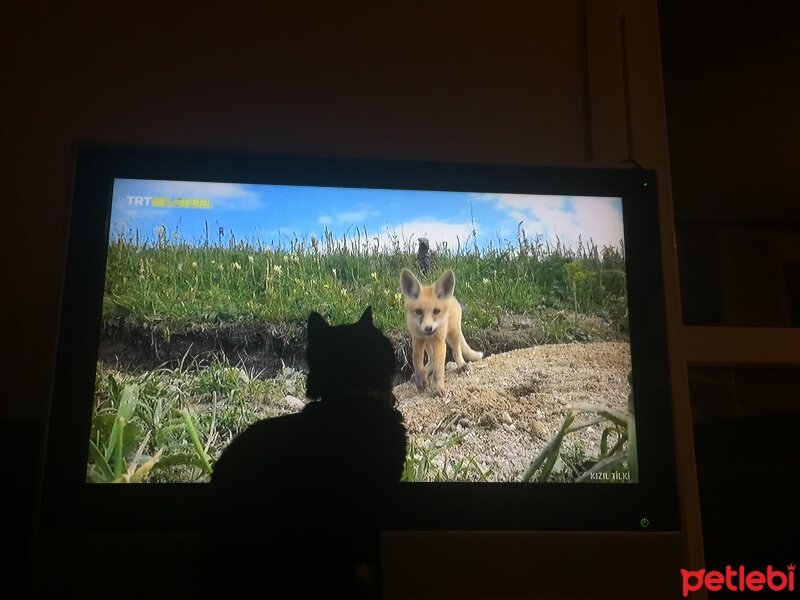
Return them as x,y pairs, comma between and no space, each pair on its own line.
509,405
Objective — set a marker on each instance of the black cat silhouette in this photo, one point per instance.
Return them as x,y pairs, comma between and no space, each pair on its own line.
299,498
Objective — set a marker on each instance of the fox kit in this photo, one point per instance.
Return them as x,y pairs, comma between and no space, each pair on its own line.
433,318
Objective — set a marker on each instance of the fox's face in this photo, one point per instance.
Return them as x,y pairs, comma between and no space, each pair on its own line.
427,305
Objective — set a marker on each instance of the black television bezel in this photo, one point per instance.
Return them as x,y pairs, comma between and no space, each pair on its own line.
69,504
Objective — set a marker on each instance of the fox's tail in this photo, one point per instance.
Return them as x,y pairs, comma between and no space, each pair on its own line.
469,353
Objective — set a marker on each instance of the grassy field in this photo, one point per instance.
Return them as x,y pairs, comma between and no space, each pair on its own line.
171,424
172,285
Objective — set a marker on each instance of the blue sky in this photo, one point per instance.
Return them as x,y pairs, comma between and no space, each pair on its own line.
274,215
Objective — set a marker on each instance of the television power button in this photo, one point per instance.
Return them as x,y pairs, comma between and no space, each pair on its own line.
645,522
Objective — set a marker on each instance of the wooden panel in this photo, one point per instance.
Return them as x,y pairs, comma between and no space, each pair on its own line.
742,346
532,565
648,146
610,130
732,96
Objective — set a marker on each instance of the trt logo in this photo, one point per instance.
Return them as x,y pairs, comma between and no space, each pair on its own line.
139,200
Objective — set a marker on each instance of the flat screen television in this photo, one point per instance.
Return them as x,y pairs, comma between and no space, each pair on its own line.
190,276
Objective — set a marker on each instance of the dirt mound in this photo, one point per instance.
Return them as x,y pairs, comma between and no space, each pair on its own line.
263,348
266,348
508,405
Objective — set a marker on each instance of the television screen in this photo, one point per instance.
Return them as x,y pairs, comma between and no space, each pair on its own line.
190,280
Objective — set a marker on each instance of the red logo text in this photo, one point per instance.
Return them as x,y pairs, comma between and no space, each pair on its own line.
738,580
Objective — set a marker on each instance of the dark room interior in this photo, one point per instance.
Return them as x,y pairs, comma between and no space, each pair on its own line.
703,93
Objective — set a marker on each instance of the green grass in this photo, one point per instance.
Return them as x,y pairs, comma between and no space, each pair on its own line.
173,285
172,424
429,459
616,460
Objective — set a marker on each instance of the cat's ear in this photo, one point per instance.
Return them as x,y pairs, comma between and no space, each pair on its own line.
316,324
366,318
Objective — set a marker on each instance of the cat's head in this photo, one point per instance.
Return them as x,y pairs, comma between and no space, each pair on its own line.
348,358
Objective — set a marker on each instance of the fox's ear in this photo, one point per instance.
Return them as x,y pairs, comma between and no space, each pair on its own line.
445,285
409,284
316,324
366,318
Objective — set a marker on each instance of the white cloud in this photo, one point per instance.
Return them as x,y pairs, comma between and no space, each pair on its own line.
354,217
224,196
231,196
438,234
598,219
127,216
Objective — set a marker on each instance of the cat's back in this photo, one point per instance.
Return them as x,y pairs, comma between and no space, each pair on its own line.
259,448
